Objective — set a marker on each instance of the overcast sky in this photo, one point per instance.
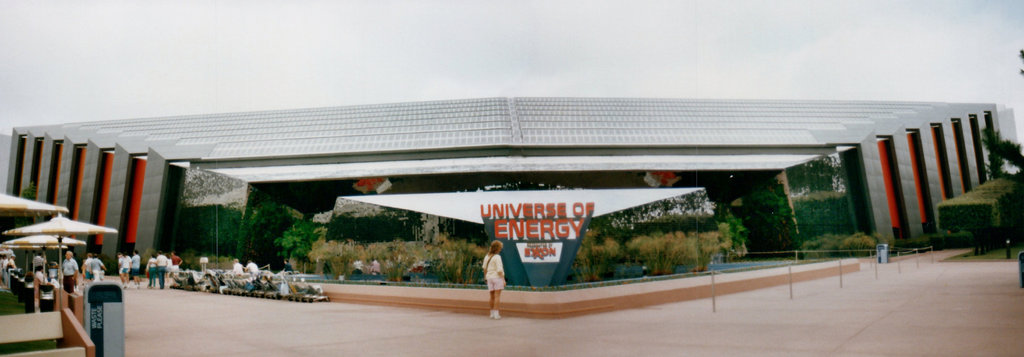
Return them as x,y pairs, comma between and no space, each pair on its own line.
73,61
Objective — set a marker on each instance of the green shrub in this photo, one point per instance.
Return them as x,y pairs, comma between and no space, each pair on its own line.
400,257
840,242
662,253
710,243
920,242
456,261
596,260
339,256
942,241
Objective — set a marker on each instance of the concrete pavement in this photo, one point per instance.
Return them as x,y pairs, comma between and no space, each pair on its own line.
939,309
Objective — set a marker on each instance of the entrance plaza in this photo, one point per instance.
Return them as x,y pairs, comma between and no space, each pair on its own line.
917,308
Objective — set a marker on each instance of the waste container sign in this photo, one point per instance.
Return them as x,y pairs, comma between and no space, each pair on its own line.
1020,267
104,318
883,253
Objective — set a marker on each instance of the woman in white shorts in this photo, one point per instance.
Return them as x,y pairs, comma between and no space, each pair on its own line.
494,273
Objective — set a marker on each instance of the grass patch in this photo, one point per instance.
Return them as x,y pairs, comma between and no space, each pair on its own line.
994,254
9,305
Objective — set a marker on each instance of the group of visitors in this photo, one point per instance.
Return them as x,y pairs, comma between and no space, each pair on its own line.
6,263
251,268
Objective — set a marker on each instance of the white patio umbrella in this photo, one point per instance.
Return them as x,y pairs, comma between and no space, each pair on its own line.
39,242
12,206
60,227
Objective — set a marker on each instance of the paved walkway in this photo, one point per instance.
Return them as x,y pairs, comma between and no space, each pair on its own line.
939,309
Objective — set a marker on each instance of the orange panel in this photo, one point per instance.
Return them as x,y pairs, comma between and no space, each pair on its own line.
890,191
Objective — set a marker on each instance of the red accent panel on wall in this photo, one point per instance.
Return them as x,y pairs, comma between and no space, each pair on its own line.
135,199
890,191
101,211
917,177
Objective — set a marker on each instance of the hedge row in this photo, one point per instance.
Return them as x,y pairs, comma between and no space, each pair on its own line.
939,241
997,203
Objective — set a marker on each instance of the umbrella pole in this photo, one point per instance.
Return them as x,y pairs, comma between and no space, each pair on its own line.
60,271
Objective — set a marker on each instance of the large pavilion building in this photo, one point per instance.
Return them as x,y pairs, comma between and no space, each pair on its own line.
890,163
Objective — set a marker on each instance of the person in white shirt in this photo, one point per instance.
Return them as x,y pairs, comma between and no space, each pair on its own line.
136,265
237,268
38,261
124,266
253,269
151,270
40,279
161,267
494,273
70,269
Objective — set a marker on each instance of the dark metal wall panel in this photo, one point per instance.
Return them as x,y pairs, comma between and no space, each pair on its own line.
43,187
905,169
26,171
116,205
12,163
951,157
66,165
152,196
87,208
874,181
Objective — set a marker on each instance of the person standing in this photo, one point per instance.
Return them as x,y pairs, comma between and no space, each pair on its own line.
86,265
136,264
161,267
494,273
287,267
70,270
124,267
97,268
151,270
175,262
38,261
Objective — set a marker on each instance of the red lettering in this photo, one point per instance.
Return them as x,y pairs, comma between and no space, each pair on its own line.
551,211
577,226
562,228
514,210
590,209
547,229
501,229
538,210
527,210
516,229
561,210
485,211
532,229
577,209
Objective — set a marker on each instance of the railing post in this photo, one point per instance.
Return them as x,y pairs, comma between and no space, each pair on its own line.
714,308
791,282
840,273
